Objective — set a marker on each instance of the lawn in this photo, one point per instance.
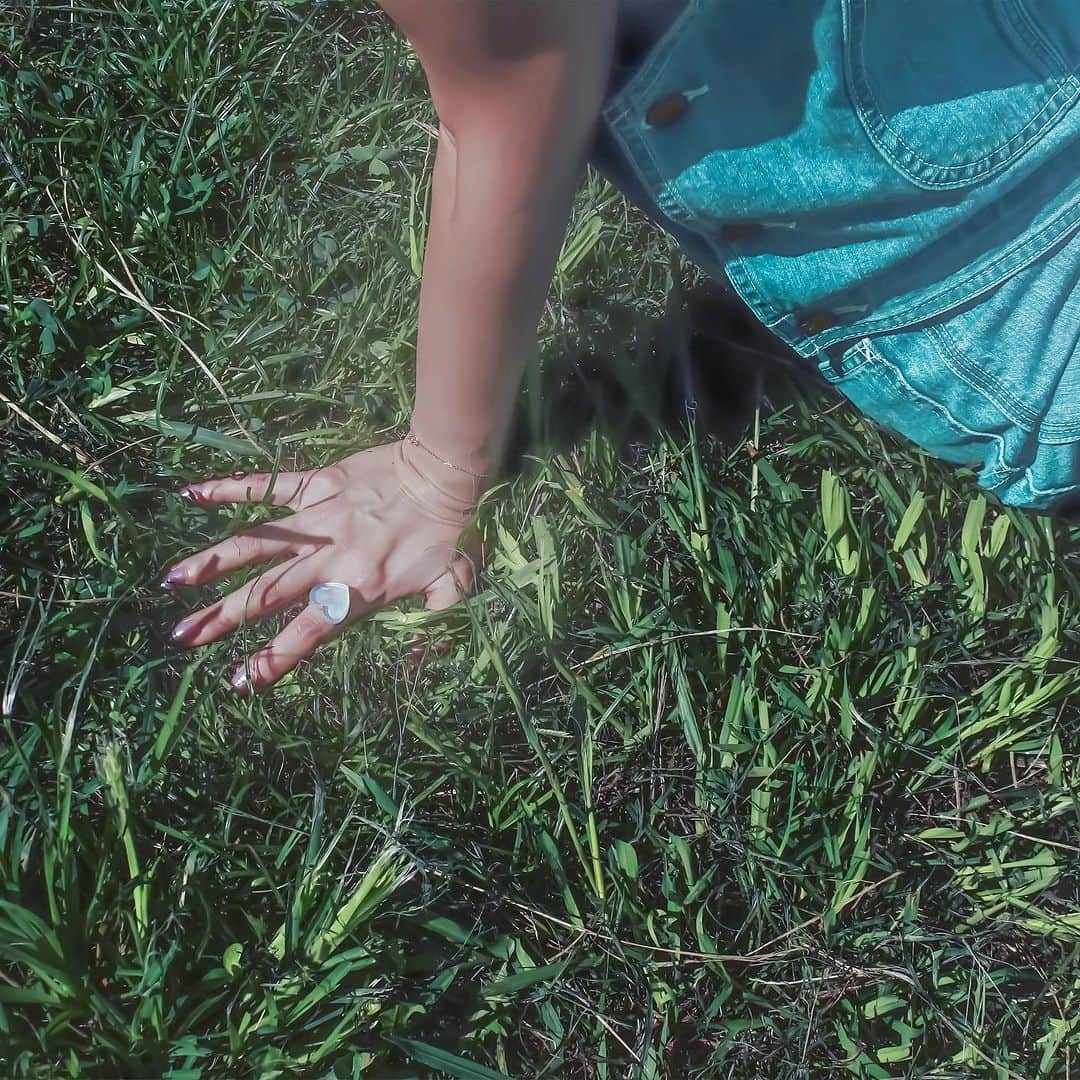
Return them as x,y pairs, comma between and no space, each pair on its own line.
754,757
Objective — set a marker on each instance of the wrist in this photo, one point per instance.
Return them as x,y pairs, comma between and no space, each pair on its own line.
416,443
437,488
451,460
472,439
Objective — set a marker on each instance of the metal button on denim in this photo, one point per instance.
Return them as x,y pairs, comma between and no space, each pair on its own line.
932,213
667,110
787,129
816,321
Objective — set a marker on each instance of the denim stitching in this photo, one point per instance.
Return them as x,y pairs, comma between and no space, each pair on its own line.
891,378
1046,491
1021,254
1004,154
737,271
1018,14
637,89
754,299
1017,257
980,380
886,374
848,366
653,68
1035,423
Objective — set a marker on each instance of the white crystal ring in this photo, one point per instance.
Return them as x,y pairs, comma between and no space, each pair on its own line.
332,599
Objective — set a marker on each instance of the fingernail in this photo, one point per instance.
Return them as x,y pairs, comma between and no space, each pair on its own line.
189,493
239,680
174,577
182,631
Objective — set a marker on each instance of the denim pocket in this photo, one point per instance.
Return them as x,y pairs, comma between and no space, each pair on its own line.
952,93
900,384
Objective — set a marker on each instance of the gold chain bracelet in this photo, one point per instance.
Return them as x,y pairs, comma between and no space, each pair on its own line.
411,438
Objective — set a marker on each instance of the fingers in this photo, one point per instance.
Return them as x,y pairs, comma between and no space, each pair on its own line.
280,489
444,592
300,638
264,543
277,588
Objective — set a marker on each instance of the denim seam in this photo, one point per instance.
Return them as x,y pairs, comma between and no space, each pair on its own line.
1021,254
884,373
981,381
633,93
1002,155
743,282
866,353
995,477
889,376
1045,491
1049,432
861,348
1018,14
999,158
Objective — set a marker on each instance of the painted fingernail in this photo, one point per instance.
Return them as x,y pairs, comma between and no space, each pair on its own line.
239,679
174,577
183,632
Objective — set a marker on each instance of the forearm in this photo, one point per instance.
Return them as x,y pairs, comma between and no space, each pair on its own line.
519,86
494,234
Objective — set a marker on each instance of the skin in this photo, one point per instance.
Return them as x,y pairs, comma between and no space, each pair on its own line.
518,86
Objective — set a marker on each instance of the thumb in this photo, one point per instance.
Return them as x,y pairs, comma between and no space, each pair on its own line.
457,582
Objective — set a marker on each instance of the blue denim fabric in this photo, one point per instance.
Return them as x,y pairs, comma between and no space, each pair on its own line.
994,385
915,170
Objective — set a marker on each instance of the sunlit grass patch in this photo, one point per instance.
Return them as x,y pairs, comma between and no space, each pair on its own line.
750,759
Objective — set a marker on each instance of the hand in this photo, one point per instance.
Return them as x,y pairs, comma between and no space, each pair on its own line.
386,522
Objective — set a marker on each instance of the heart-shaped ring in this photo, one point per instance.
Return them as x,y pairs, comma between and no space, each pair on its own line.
333,599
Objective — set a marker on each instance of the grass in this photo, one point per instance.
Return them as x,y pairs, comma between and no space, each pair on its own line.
750,760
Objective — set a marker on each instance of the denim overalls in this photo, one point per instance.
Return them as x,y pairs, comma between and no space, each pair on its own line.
893,187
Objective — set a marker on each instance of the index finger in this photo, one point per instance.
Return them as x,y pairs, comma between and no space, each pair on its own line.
296,642
279,489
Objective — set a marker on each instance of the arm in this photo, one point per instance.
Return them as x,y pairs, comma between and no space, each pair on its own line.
518,86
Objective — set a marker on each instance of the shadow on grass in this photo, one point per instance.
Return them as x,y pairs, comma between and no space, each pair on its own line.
634,377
